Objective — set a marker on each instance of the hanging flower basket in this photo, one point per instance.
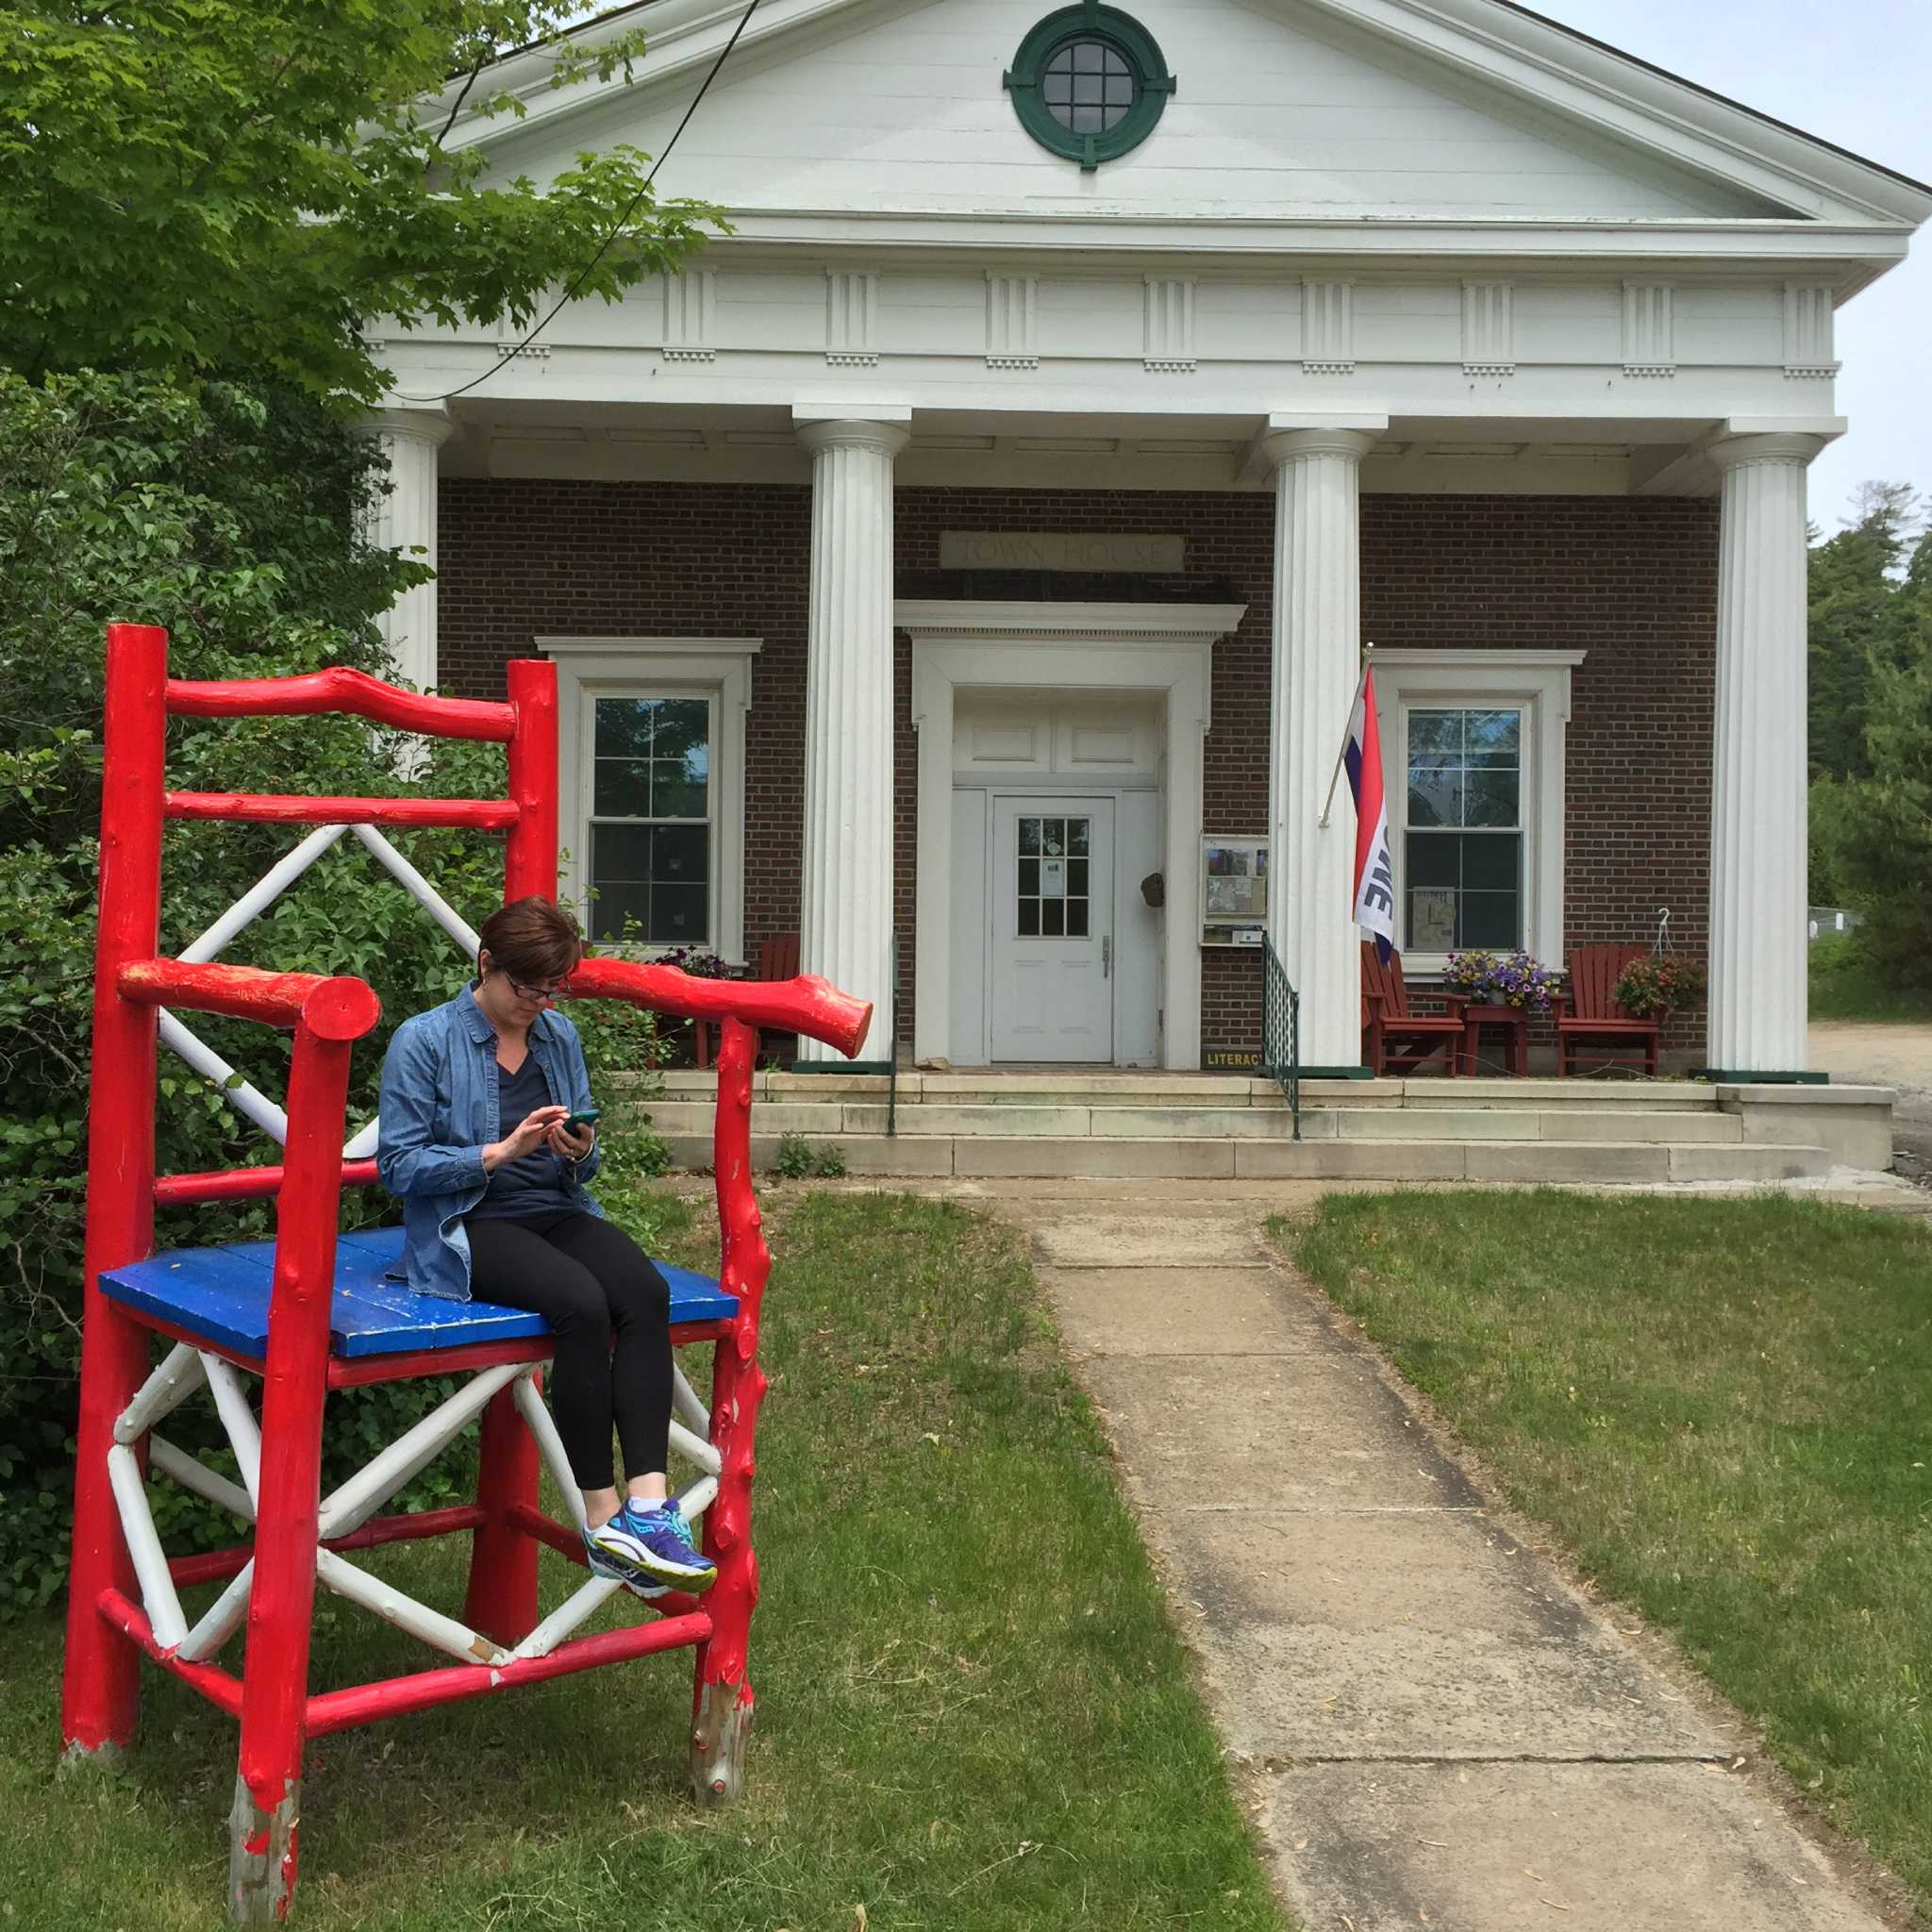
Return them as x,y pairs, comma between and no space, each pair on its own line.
1502,979
1655,987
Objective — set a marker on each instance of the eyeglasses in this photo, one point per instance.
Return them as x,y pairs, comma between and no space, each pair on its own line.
536,992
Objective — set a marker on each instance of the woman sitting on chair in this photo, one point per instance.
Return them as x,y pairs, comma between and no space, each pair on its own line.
487,1135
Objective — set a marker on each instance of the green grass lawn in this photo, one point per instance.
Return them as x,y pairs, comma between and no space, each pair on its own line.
1847,986
1725,1409
972,1710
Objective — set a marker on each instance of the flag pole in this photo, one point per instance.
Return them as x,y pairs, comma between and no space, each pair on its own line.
1335,777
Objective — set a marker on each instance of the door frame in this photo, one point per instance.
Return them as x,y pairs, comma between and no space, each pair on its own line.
1162,648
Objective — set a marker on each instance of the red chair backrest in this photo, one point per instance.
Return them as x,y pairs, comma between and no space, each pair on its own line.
1383,981
778,958
1593,971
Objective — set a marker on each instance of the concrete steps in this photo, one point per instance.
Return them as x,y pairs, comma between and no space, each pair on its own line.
1324,1158
1071,1122
929,1119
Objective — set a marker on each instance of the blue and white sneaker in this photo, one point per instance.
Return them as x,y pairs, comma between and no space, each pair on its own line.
614,1572
649,1546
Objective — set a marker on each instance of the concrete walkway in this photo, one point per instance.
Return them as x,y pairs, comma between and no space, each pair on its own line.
1435,1727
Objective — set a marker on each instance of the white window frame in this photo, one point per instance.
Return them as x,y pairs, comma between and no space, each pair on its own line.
1537,684
658,667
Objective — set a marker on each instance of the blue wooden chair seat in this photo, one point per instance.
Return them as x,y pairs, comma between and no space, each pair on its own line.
221,1296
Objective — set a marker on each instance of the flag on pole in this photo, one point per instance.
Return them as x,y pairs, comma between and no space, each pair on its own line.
1374,871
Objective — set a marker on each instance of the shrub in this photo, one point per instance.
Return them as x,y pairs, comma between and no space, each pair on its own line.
799,1161
132,498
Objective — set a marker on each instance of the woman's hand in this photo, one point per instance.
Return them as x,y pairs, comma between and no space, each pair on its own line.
573,1146
534,1128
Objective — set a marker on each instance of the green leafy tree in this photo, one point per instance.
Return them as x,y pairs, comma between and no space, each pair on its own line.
233,186
133,496
1856,615
1882,845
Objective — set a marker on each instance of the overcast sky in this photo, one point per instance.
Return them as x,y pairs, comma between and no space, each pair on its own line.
1856,74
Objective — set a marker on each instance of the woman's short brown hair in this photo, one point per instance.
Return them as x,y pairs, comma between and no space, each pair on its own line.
532,941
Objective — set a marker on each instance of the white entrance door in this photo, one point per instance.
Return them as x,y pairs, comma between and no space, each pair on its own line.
1052,929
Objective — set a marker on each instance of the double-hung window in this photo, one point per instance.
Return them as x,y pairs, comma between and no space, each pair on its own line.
652,745
1473,758
1463,829
650,818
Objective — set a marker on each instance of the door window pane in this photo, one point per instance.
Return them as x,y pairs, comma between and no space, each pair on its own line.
1049,884
1463,840
650,831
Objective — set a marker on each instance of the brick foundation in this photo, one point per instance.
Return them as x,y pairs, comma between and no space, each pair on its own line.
1631,580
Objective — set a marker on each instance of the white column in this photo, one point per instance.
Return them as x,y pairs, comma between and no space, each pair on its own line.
1317,660
846,915
1756,1009
405,519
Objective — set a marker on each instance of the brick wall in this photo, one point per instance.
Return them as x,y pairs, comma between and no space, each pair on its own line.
1632,581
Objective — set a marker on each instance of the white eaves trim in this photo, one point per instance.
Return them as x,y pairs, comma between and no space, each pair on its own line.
1490,43
1506,46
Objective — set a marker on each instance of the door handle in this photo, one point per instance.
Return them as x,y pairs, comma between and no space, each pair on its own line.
1107,956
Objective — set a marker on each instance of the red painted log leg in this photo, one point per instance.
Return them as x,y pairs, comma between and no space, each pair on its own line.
722,1699
264,1823
100,1697
502,1597
501,1600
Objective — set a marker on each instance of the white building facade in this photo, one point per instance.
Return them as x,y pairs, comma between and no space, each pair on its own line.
966,562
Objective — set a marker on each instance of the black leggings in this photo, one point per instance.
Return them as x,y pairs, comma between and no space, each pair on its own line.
590,1281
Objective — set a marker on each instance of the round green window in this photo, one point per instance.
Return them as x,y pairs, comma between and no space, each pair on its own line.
1089,83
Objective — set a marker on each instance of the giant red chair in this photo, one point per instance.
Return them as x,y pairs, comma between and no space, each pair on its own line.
311,1311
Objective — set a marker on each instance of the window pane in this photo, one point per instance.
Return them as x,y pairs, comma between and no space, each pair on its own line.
1029,878
1439,731
1489,798
1029,919
1087,89
1057,89
621,788
684,724
1490,862
1076,919
1076,877
1076,837
1489,919
1435,798
1029,835
674,793
678,854
1086,120
1052,912
624,727
678,915
620,853
614,905
1433,860
1492,731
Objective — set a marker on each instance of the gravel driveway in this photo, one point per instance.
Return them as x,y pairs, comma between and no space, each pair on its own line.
1888,1055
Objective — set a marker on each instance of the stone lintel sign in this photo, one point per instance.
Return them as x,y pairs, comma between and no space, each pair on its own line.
1052,550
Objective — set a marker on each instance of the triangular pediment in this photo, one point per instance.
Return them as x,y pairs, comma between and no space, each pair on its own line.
1319,109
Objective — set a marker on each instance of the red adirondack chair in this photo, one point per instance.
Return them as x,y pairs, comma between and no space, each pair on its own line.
777,959
1394,1039
1589,1017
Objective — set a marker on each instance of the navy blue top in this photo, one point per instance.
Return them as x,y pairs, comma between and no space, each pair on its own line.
440,1100
533,1183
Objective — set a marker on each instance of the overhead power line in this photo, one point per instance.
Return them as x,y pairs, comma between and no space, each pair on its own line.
583,275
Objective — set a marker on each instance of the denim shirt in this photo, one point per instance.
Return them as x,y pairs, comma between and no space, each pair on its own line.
438,1113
